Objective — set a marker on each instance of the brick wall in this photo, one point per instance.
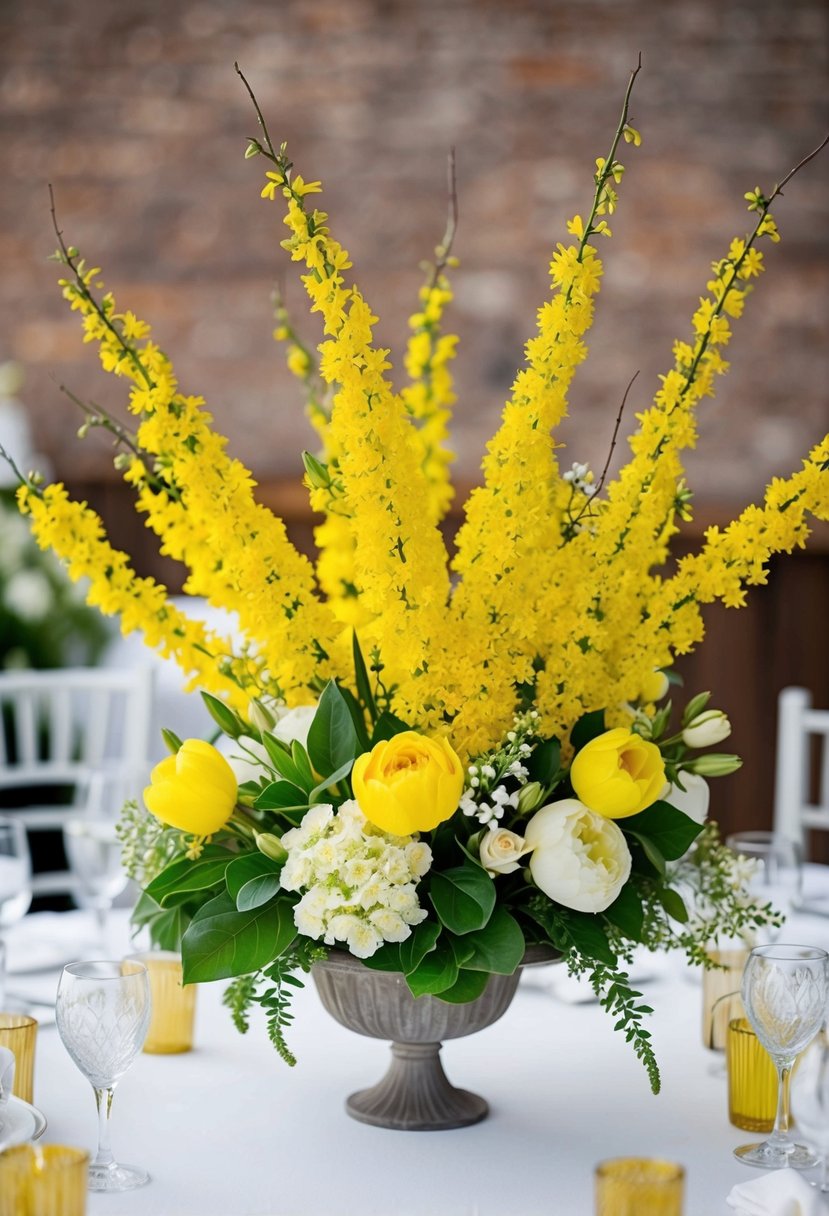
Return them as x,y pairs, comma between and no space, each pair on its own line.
134,113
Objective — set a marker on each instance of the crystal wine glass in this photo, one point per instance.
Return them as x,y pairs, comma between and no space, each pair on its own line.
810,1100
785,989
777,877
103,1014
15,884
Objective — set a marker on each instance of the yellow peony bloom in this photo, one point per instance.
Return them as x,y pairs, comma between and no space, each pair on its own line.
408,783
618,774
194,791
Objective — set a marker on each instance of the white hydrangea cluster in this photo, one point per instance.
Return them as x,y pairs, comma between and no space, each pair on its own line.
359,883
487,796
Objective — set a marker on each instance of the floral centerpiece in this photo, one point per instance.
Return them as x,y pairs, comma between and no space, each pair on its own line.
445,761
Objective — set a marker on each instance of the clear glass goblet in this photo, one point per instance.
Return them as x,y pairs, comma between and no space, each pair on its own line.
103,1014
785,989
777,877
810,1100
15,884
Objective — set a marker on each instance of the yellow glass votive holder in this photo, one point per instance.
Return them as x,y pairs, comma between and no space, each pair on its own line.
47,1181
173,1004
752,1079
718,982
632,1186
18,1032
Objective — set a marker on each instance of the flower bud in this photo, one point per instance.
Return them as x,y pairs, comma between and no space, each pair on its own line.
695,707
254,148
316,471
530,798
715,764
707,729
260,716
271,846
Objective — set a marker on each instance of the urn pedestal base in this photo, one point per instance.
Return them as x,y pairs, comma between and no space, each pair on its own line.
416,1095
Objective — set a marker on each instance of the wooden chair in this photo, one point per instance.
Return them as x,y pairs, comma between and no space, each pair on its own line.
797,725
58,727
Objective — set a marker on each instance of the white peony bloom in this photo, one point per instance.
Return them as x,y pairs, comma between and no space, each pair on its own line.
28,595
580,859
693,800
501,850
295,724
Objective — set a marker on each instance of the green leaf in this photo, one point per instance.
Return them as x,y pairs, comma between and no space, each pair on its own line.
386,958
361,678
499,947
436,972
281,795
332,738
463,897
589,937
589,726
224,717
167,930
279,754
171,739
242,869
468,986
257,891
652,853
303,764
358,717
184,876
626,913
544,762
668,829
387,726
336,776
673,904
423,939
217,906
235,943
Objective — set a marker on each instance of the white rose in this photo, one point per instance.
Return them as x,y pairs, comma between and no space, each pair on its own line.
693,800
500,851
295,724
580,859
707,729
244,766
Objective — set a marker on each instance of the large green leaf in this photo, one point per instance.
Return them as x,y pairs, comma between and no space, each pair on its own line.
249,866
224,717
626,913
468,986
386,958
361,678
589,726
279,754
436,972
257,891
463,897
338,775
281,796
236,943
387,726
544,763
671,831
332,738
182,877
498,947
414,948
590,938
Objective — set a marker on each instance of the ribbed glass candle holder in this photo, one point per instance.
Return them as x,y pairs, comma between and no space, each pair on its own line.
718,982
633,1186
752,1079
19,1033
173,1004
47,1181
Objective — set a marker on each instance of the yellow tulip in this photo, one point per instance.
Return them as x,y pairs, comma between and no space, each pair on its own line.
194,790
408,783
618,774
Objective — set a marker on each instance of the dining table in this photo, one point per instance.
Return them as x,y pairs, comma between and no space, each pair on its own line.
228,1129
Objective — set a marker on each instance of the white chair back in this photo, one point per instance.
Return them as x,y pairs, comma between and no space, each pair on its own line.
798,724
58,726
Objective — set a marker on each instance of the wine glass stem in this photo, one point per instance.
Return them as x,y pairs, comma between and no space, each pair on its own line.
103,1098
101,927
780,1134
3,971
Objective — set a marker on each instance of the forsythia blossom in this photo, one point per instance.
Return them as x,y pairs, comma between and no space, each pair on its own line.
359,883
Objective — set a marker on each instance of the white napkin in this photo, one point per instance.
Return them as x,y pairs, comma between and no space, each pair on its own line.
781,1193
6,1074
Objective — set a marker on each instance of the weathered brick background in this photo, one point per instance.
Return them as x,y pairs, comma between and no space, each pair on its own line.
136,116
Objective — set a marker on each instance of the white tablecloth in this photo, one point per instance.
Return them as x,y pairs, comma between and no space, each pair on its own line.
229,1130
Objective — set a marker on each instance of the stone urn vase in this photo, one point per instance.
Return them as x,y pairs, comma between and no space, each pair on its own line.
415,1094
